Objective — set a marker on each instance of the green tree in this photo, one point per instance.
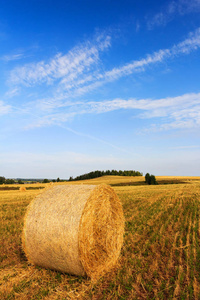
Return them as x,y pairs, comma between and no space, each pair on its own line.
150,179
45,181
9,181
147,178
58,179
20,181
2,179
153,179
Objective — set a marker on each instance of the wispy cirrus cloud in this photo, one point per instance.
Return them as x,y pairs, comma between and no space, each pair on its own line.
4,108
11,57
171,10
77,72
177,112
71,87
184,47
188,6
64,68
12,92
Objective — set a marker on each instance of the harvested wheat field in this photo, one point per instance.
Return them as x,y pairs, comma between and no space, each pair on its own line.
160,256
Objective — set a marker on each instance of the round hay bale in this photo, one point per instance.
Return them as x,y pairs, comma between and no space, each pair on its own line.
77,229
22,189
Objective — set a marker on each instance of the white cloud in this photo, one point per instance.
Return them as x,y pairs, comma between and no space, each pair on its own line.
79,82
189,44
171,10
178,112
188,6
65,68
185,47
78,72
4,108
12,92
11,57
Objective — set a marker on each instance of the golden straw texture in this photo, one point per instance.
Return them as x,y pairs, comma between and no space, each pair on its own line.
22,189
76,229
101,231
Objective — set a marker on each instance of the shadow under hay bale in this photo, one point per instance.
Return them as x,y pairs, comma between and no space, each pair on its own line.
77,229
22,255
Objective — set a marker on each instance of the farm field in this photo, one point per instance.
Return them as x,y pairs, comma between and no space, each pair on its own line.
160,258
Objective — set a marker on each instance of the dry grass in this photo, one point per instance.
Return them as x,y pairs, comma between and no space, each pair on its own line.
160,258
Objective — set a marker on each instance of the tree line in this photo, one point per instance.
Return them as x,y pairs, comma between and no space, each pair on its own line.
97,173
3,180
149,179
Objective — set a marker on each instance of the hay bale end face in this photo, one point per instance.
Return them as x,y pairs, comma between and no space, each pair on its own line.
77,229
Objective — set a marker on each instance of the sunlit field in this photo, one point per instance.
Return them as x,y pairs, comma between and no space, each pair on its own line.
160,258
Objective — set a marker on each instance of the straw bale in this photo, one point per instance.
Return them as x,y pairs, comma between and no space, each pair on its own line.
77,229
22,189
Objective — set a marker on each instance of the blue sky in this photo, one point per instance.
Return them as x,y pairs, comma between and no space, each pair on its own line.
87,85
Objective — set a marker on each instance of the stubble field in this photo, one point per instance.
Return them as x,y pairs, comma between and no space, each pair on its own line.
160,258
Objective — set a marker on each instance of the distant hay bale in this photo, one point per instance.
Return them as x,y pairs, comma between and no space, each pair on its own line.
22,189
77,229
